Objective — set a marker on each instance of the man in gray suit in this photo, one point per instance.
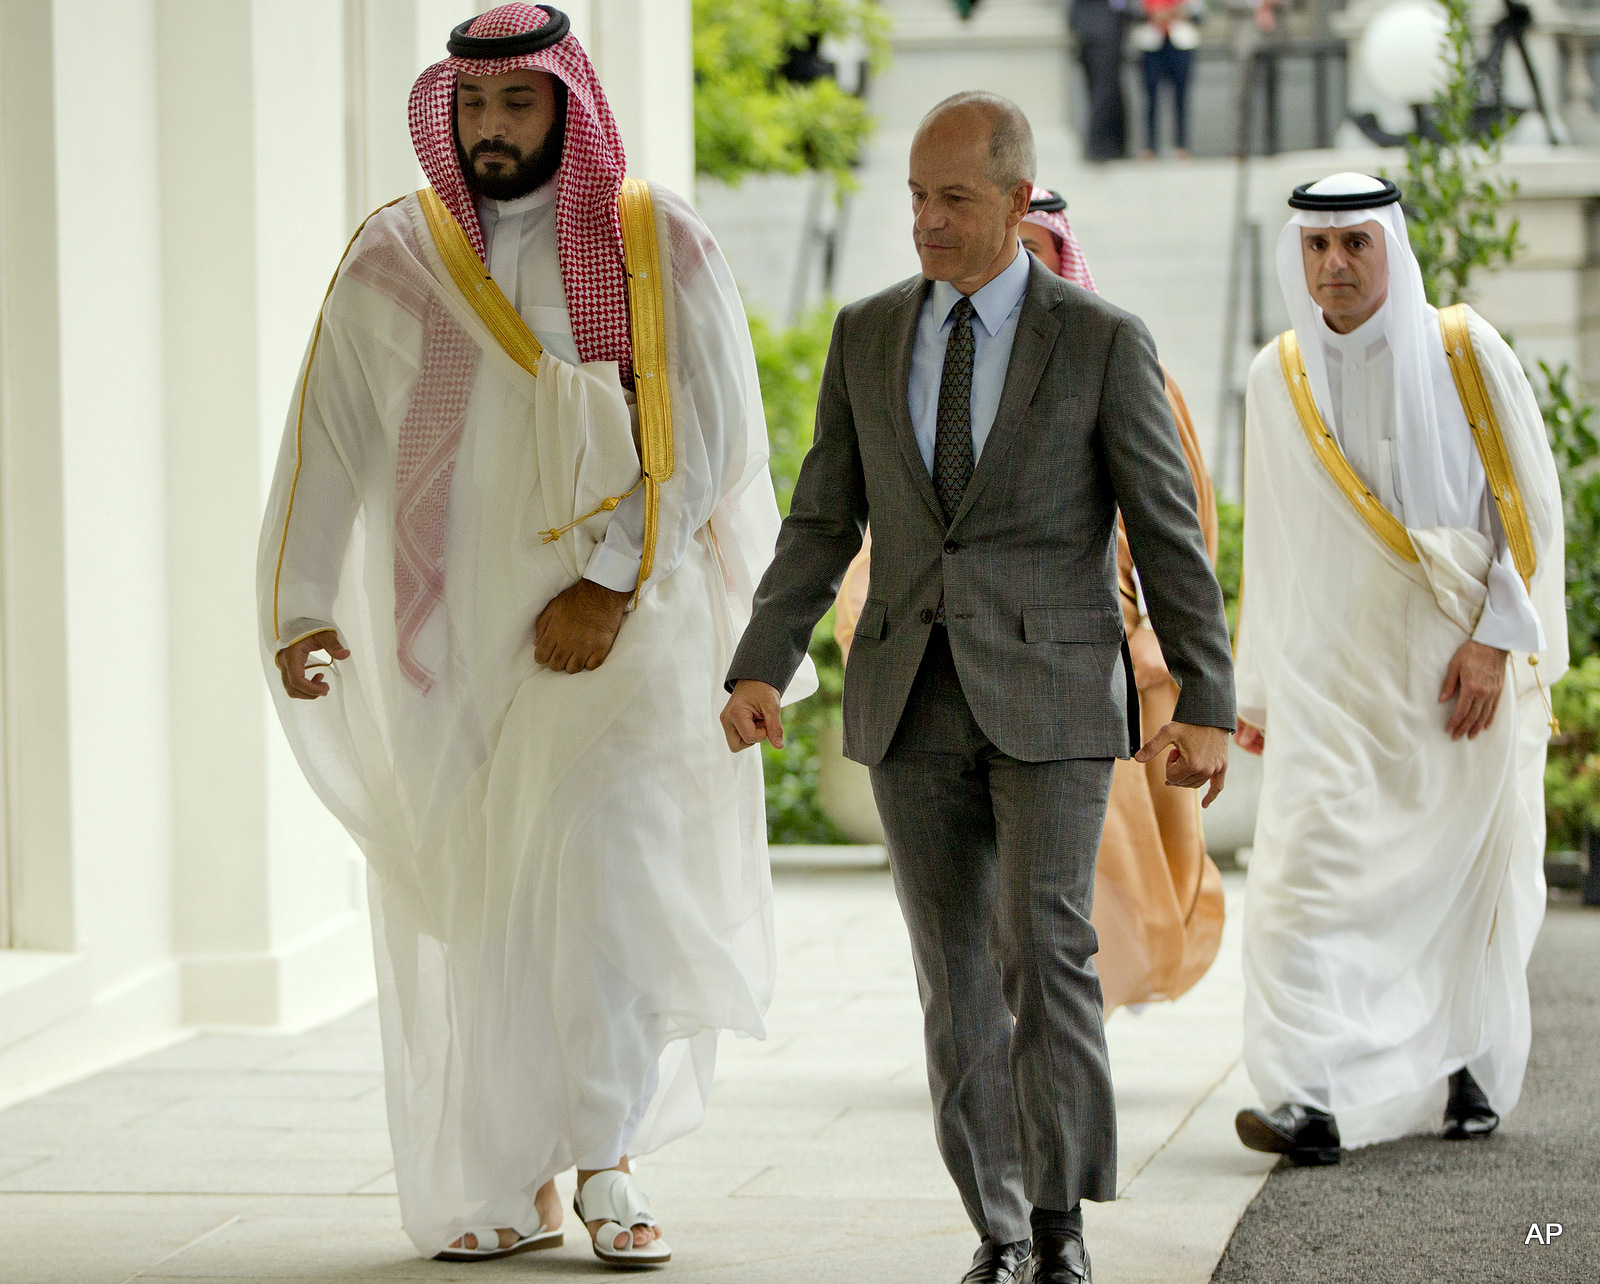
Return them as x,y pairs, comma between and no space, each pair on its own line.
990,419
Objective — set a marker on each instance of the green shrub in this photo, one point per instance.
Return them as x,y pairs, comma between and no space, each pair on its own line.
747,118
1230,557
750,120
1577,450
790,363
1572,775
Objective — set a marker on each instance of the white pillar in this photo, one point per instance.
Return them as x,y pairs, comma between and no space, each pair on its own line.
267,915
35,791
642,51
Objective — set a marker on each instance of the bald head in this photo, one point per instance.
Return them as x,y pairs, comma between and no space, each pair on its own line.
971,178
1009,136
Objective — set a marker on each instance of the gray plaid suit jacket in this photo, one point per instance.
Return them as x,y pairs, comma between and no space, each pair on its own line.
1028,566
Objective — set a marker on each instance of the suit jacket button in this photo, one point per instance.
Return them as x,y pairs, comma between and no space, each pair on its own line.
950,546
927,616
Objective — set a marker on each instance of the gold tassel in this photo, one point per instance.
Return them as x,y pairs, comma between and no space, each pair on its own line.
606,506
1555,723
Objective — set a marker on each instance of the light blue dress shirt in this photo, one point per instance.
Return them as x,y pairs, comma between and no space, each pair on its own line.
997,307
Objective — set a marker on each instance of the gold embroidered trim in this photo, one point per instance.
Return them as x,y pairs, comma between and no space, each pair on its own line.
1385,525
300,420
1474,394
648,322
466,269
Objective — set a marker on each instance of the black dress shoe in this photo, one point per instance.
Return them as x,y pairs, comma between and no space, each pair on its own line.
1307,1135
1058,1259
998,1263
1467,1114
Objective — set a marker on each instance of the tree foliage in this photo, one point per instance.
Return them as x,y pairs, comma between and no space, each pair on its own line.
749,119
1453,206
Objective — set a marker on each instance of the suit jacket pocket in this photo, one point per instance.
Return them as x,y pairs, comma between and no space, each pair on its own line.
1071,624
874,621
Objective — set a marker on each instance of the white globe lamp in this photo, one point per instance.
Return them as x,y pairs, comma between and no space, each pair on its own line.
1402,51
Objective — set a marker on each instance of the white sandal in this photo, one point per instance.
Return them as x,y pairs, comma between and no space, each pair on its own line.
614,1198
525,1243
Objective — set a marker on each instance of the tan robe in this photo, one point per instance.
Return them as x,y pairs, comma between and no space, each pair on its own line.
1157,895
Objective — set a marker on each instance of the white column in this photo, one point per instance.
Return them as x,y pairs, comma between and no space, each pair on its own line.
36,856
267,915
642,52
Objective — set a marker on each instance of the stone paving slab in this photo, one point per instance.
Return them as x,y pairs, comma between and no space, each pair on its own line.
232,1158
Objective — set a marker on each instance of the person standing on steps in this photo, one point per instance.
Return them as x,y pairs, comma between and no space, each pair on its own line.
1100,29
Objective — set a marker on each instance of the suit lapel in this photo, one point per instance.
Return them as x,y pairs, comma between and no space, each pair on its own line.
1038,328
900,336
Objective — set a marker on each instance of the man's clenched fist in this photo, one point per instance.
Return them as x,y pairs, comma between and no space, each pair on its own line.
576,630
752,715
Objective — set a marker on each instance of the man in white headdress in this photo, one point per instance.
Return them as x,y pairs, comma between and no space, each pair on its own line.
522,505
1402,614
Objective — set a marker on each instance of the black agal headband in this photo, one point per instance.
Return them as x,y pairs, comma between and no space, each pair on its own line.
483,48
1053,203
1386,193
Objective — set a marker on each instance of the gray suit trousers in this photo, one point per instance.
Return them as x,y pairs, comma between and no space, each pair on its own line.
993,861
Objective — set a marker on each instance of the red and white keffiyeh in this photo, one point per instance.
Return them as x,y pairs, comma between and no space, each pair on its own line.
1073,265
589,237
592,169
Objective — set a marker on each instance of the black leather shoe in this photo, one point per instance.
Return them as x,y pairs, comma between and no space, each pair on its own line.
1058,1259
1307,1135
1467,1115
998,1263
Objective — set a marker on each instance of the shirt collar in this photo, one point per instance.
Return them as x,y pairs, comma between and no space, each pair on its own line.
994,302
491,211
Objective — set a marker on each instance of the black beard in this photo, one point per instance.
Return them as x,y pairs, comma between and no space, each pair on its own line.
531,171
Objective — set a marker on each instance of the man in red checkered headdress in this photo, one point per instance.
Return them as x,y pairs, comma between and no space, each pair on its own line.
522,505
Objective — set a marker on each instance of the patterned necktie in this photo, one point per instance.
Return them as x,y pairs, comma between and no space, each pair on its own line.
952,443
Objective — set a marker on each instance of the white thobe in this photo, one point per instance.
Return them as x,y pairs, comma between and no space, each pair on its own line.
1361,382
519,239
1394,887
569,888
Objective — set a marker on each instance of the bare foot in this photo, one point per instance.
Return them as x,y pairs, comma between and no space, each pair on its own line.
642,1235
548,1205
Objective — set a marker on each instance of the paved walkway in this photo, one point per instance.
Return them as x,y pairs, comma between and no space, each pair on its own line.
1422,1210
244,1158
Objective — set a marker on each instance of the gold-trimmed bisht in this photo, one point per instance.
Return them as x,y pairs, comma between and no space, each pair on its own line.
1486,436
1385,525
648,321
641,254
472,278
1491,443
299,424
